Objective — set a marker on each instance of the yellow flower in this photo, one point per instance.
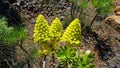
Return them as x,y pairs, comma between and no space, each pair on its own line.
41,29
56,29
73,33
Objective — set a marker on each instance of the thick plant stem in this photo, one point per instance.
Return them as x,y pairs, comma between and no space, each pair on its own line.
53,59
69,66
93,20
44,62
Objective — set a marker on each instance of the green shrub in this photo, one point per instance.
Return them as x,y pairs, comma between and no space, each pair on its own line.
102,6
4,29
11,35
17,34
82,4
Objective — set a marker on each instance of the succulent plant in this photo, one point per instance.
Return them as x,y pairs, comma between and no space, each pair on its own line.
66,55
84,60
41,29
72,34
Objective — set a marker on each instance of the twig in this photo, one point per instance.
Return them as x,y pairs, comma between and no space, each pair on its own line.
44,62
93,20
21,47
53,59
6,60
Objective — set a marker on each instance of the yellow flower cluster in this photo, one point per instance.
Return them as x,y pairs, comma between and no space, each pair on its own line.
41,29
56,29
72,34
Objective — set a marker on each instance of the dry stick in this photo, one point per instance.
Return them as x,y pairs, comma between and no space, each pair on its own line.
53,59
73,16
24,50
80,18
72,10
8,63
93,20
44,62
76,13
21,47
6,60
79,15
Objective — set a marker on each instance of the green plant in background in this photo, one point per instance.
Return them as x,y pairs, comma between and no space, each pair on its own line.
66,56
11,35
73,1
17,34
102,7
4,29
72,34
82,4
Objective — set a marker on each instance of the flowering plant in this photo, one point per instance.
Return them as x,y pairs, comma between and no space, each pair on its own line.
56,29
41,29
72,34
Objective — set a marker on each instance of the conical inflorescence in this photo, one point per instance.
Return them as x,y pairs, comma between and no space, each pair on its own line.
41,29
56,29
72,34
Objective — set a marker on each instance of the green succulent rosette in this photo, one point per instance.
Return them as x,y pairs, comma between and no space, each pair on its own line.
41,29
72,34
56,29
